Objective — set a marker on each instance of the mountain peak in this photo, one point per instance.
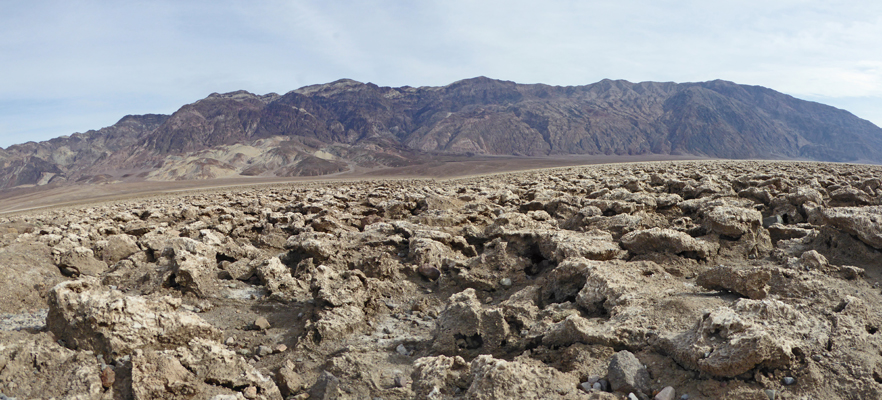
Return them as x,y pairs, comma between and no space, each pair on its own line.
328,89
243,95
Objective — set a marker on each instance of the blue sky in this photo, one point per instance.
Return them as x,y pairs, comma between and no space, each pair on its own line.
72,66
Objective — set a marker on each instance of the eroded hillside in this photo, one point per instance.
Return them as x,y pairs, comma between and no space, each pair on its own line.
344,126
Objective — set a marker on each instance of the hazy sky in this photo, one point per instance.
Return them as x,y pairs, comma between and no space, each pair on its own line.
72,66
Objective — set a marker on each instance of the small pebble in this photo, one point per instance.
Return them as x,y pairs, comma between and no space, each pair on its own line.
632,396
665,394
108,377
261,323
684,397
429,272
250,392
280,348
817,357
505,282
597,386
400,381
788,380
230,341
771,393
585,386
402,350
263,351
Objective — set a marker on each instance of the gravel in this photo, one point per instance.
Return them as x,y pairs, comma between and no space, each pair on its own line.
32,320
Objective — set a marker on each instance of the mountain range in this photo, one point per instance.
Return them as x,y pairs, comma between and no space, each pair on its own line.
335,127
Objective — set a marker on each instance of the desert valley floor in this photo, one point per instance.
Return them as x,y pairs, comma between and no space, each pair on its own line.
674,280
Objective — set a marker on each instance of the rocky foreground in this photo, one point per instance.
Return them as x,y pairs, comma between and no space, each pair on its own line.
688,280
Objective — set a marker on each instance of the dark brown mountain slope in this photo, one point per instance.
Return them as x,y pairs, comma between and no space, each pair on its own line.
332,127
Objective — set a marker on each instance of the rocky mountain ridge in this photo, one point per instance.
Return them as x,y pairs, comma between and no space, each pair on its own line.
335,127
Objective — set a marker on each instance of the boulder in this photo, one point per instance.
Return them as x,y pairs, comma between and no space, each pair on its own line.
160,375
78,261
749,282
137,228
335,288
317,245
424,251
803,194
288,380
667,241
486,378
523,378
627,373
849,196
213,363
35,366
202,368
733,221
116,248
193,266
196,274
730,341
87,316
594,245
343,296
440,375
813,260
277,278
465,327
863,222
338,322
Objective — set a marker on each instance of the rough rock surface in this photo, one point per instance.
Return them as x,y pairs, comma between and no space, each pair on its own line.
659,240
202,369
730,341
863,222
85,315
719,279
35,366
749,282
